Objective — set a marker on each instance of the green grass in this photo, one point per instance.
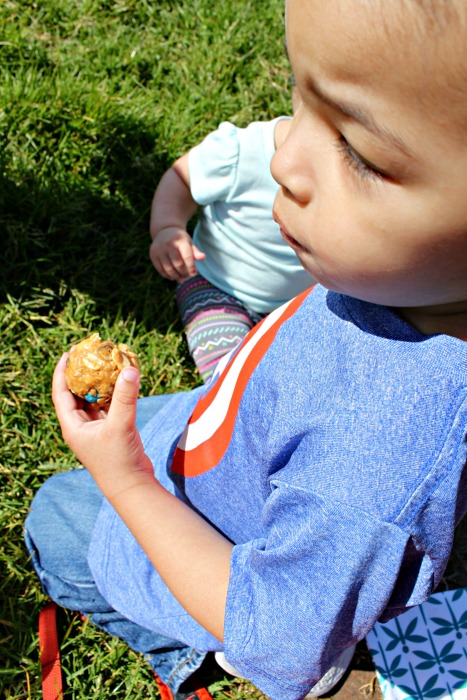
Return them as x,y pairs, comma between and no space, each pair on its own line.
97,98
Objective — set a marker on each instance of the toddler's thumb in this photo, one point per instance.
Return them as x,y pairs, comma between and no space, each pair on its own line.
123,406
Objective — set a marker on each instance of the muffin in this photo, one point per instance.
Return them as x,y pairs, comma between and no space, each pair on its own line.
93,366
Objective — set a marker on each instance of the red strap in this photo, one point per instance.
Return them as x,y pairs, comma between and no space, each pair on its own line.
164,690
50,661
166,693
50,654
203,694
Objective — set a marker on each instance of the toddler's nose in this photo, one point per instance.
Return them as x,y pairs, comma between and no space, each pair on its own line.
289,168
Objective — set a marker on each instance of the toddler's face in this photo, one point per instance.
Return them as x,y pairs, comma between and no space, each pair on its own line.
373,173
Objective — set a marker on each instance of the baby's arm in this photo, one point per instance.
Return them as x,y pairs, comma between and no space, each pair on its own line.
172,251
191,556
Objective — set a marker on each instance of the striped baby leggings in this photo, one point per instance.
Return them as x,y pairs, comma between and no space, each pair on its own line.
215,322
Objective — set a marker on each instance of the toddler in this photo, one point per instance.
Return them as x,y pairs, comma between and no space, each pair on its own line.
313,487
237,267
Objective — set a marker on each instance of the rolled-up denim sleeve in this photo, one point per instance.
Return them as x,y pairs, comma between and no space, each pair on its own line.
315,584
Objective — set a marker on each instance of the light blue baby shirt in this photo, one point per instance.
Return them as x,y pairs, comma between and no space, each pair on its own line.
245,254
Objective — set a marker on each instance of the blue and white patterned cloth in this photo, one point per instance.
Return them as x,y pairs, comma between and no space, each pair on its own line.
422,654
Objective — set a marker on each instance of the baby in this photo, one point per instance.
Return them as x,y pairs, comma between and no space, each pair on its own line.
237,268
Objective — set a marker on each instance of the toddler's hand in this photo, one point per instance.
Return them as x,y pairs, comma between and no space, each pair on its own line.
174,255
105,441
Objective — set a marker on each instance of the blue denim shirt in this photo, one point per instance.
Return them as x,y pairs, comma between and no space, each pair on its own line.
330,448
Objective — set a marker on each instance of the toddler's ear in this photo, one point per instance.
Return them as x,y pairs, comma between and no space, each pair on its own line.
125,395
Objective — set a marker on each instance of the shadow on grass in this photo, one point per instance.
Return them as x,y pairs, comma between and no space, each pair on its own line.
90,232
64,231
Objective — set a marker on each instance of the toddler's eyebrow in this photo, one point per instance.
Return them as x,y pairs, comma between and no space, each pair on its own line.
363,118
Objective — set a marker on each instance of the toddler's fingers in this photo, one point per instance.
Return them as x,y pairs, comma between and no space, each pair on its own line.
122,410
60,391
62,397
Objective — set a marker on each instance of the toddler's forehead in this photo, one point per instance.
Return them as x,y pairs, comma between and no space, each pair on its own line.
433,36
421,45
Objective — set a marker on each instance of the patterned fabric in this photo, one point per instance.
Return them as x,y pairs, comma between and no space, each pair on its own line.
215,322
423,653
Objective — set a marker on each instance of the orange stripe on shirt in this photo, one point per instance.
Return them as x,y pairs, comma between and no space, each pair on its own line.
206,455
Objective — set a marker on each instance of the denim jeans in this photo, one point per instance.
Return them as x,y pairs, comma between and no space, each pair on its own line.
58,532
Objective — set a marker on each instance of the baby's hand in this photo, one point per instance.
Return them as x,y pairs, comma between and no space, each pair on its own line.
174,254
105,441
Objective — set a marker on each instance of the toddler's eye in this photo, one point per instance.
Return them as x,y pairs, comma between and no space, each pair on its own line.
362,166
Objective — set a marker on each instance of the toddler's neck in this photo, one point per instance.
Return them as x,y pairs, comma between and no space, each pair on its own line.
448,319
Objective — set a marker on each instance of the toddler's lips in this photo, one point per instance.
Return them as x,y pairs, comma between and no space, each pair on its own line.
285,234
